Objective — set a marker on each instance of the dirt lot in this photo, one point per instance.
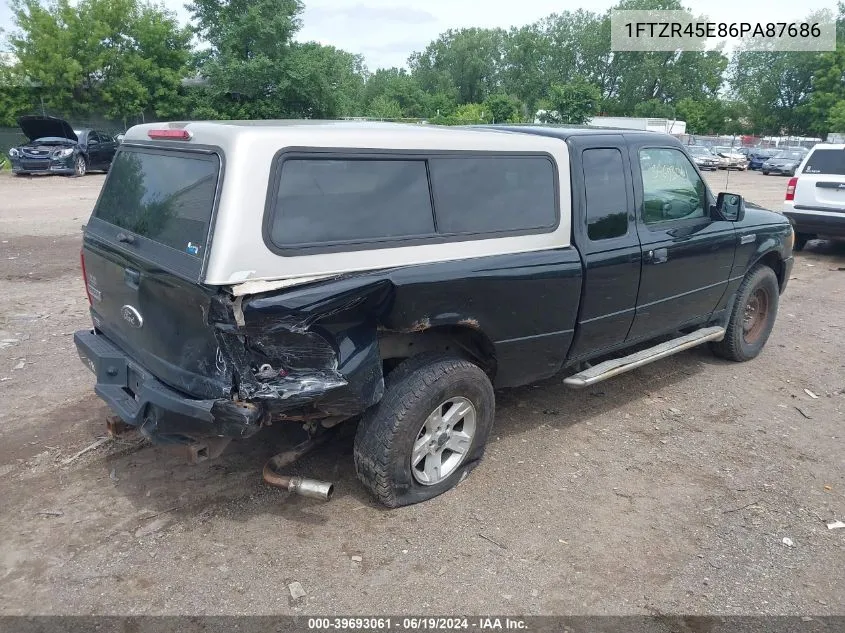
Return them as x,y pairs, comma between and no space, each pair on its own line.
670,489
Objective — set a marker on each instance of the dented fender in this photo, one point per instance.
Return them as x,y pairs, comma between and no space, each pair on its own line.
305,354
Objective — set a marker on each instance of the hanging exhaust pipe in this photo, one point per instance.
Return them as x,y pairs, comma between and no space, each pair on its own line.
312,488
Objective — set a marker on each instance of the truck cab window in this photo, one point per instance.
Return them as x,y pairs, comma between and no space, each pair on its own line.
672,189
607,200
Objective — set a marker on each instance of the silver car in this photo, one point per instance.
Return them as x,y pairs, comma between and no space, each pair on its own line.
703,157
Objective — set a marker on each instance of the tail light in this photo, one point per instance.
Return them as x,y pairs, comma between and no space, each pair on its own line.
85,277
790,189
170,134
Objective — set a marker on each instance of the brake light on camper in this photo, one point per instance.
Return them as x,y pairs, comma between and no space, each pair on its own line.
171,135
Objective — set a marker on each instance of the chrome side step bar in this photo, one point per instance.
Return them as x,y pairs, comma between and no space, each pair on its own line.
616,366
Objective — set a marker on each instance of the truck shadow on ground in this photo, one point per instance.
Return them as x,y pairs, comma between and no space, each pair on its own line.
160,480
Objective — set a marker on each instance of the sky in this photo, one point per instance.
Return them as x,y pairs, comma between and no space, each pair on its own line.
386,32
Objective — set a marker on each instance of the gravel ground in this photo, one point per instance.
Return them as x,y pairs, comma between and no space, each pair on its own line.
671,489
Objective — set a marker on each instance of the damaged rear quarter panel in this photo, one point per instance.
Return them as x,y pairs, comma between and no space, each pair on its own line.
321,340
321,345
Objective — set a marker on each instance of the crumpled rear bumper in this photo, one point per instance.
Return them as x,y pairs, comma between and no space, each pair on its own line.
161,413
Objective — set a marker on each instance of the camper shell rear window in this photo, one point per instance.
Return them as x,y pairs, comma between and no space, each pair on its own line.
160,203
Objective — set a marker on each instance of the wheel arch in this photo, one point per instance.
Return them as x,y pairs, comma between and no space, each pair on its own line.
773,260
463,337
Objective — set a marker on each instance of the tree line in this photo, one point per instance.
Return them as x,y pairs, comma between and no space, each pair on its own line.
125,59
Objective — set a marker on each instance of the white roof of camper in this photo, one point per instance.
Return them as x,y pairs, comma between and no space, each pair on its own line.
238,253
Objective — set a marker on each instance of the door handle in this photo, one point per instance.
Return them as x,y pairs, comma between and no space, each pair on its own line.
657,256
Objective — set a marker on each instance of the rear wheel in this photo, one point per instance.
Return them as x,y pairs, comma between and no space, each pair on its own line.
765,173
753,316
428,431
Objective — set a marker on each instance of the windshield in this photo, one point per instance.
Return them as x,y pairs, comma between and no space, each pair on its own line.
723,150
791,155
698,150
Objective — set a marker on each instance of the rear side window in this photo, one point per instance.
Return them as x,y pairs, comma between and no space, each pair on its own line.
826,161
322,201
607,197
167,197
493,194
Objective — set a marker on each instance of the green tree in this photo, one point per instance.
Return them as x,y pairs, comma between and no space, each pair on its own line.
397,85
702,116
576,102
464,62
322,82
117,57
525,57
383,107
828,84
249,54
776,87
836,118
255,70
654,108
501,108
15,99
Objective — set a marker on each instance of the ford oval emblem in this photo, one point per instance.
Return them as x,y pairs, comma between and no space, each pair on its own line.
132,316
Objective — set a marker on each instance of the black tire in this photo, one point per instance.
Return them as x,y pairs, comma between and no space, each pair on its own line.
801,240
80,166
388,431
753,316
765,173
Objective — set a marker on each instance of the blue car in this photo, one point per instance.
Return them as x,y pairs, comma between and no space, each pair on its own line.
758,157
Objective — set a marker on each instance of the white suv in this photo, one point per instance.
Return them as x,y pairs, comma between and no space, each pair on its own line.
815,196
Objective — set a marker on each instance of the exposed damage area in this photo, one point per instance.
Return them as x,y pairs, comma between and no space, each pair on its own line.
306,355
316,353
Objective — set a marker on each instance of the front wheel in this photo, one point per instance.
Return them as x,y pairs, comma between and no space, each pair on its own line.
80,166
428,431
753,316
765,173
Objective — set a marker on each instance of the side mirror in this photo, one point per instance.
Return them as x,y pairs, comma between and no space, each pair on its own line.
730,206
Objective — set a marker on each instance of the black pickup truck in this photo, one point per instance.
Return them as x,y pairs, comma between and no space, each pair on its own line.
392,276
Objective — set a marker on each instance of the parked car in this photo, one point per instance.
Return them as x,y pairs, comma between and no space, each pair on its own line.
815,197
400,273
786,162
56,148
759,156
731,158
703,157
